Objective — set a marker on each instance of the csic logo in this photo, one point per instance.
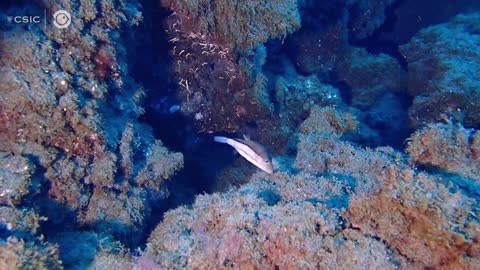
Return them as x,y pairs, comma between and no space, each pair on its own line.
24,19
62,19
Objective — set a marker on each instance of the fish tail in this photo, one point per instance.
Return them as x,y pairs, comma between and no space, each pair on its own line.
220,139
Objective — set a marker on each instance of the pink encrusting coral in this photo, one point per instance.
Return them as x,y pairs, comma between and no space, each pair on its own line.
344,207
420,219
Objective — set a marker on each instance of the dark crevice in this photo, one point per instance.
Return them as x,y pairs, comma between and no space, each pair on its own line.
456,182
376,44
150,65
39,200
345,91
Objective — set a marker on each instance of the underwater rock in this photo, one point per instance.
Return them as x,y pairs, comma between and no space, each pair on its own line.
443,67
357,207
315,51
370,76
385,123
365,16
326,28
214,89
78,248
296,95
420,219
15,172
321,149
240,24
265,224
23,223
79,168
69,114
410,16
18,254
449,147
119,260
218,57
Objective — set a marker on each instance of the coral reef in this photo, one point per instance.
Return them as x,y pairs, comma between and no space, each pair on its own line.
86,177
265,224
338,206
70,130
217,61
443,61
420,219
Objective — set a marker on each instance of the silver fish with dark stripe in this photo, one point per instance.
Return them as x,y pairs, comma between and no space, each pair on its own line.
251,151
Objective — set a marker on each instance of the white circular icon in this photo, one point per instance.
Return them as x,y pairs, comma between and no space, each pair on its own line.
62,19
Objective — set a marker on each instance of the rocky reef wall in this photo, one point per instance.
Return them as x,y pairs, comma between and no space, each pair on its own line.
376,148
336,206
70,139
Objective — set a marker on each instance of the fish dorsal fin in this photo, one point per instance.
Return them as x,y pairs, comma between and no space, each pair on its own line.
246,137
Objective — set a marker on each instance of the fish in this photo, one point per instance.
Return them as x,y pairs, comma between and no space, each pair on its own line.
252,151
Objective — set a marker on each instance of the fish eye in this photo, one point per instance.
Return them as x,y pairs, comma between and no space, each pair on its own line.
267,161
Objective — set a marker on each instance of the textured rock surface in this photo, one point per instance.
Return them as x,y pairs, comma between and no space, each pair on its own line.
218,57
365,16
344,207
15,172
70,139
83,181
370,76
448,147
242,24
443,72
